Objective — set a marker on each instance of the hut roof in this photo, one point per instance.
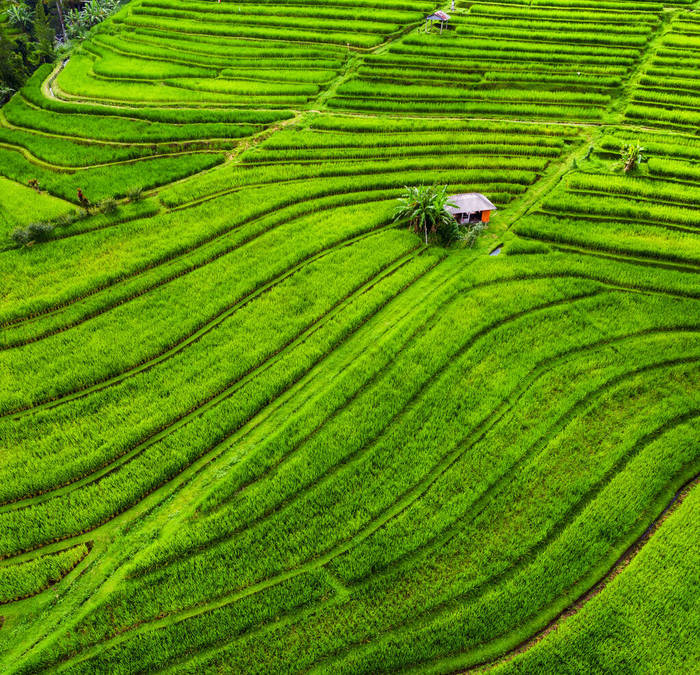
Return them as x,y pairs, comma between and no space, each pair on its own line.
438,16
469,202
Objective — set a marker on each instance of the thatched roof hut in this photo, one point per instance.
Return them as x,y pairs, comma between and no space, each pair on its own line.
471,207
440,17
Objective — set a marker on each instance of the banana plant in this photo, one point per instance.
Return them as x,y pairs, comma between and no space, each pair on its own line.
19,14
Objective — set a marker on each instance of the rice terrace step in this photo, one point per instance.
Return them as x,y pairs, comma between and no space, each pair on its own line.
347,336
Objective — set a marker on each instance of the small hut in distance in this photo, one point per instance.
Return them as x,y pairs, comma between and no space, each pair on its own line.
470,207
439,16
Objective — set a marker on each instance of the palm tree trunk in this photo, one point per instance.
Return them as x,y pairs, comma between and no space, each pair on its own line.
59,7
425,227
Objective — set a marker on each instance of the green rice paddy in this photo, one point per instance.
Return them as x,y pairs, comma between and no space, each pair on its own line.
248,423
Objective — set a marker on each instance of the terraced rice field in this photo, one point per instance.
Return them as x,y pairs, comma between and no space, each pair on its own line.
248,424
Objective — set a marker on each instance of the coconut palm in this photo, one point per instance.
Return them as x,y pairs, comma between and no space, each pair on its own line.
61,20
424,208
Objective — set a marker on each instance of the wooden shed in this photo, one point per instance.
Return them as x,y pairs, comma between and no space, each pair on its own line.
470,207
440,17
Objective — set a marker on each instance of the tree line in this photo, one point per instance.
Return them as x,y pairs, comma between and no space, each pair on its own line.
33,32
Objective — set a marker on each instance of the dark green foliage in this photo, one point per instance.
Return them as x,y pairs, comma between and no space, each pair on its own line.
44,36
108,206
632,155
36,232
12,69
135,195
424,209
472,233
20,15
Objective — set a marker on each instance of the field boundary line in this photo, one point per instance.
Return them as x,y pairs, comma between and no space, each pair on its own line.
621,195
38,498
366,447
634,258
177,256
509,405
88,544
4,122
214,453
33,159
573,215
318,561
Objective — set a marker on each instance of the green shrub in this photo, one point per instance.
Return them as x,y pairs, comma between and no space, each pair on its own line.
472,232
135,194
36,232
108,206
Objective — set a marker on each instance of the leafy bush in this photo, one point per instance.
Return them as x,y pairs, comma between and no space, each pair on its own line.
109,205
19,236
5,94
32,233
20,15
39,231
472,233
93,12
135,194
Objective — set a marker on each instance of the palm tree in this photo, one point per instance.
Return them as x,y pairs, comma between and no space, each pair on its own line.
632,155
424,208
59,8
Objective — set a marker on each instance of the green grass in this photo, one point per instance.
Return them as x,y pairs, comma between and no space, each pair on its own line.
24,579
21,205
250,423
643,614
